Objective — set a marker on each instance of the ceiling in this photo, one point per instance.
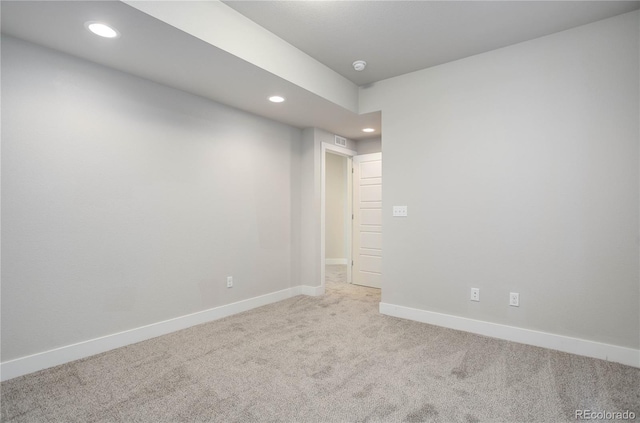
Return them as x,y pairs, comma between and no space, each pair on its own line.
397,37
394,37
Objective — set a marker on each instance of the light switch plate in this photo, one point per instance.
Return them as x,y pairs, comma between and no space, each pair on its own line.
400,211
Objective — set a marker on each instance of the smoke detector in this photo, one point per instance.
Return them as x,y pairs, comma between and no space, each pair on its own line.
359,65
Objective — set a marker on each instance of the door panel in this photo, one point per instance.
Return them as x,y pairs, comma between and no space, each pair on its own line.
367,225
370,193
370,217
372,264
373,240
372,181
371,169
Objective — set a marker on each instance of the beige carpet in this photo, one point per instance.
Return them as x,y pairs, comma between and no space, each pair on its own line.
322,359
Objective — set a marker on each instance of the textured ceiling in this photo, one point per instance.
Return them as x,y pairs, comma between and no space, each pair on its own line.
397,37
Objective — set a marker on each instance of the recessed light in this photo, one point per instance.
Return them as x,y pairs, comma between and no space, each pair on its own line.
101,29
276,99
368,130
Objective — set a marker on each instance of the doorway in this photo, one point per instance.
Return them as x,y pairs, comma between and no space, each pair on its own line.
338,217
340,226
347,155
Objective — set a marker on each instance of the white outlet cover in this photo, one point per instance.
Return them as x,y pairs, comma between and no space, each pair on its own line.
400,211
514,299
475,294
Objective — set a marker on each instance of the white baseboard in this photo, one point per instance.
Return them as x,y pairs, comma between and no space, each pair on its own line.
312,291
623,355
330,261
32,363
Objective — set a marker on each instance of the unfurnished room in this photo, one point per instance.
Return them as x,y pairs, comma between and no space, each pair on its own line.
320,211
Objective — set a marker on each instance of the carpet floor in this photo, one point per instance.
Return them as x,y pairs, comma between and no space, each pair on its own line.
322,359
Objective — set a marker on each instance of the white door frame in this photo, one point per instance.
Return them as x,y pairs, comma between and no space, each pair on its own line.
341,151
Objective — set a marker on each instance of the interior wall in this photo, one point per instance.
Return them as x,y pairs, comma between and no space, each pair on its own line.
126,203
310,212
335,207
323,136
519,168
369,145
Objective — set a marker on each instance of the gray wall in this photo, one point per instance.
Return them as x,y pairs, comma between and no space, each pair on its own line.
310,216
520,171
126,203
369,145
323,136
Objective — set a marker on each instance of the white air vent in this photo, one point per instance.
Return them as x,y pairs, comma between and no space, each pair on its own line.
342,142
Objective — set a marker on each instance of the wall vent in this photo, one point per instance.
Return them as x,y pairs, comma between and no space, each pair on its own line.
342,142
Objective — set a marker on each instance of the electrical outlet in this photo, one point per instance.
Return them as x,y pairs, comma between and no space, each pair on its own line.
475,294
229,281
514,299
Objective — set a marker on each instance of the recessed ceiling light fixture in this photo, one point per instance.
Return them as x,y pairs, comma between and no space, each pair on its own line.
276,99
368,130
101,29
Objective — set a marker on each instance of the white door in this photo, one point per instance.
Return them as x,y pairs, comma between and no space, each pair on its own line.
367,220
